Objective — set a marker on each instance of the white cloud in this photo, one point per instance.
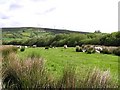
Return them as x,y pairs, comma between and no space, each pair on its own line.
83,15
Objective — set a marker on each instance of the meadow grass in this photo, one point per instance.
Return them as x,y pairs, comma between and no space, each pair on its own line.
57,68
57,58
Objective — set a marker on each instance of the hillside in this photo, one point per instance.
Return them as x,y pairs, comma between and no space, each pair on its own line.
20,33
55,31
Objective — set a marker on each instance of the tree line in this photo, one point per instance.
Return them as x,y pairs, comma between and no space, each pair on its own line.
71,39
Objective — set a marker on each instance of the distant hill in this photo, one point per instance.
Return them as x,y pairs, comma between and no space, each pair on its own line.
55,31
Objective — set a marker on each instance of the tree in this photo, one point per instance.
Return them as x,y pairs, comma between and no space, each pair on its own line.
97,31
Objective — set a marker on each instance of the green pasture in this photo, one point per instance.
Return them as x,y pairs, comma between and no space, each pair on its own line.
57,58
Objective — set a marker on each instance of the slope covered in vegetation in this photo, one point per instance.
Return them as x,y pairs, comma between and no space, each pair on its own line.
52,37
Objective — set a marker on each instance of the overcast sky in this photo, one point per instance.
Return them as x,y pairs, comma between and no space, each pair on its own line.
82,15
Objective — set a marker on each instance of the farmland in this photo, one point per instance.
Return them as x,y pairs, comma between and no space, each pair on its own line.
37,58
57,58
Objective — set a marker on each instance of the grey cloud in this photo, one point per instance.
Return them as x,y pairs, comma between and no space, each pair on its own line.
46,11
38,0
14,6
2,16
15,23
50,10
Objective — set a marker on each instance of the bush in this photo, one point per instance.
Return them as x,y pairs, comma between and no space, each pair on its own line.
46,47
22,49
117,51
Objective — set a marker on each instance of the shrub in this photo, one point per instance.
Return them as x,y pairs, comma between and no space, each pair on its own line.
117,51
22,49
46,47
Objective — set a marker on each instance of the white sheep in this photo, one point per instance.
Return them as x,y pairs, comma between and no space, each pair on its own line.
84,50
25,46
97,51
99,48
34,46
65,46
19,46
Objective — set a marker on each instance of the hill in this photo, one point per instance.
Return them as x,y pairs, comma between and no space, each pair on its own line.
55,31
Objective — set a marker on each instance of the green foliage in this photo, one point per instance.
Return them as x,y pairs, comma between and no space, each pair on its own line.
117,51
112,39
32,36
46,47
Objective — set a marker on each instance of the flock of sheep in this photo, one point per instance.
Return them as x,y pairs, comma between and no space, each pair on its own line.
97,49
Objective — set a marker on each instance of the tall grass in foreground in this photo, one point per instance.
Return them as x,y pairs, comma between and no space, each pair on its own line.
32,73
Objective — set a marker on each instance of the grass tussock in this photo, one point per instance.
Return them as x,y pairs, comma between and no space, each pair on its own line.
98,79
29,73
68,79
6,50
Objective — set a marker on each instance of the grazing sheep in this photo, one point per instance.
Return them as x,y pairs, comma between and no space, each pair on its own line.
26,47
78,48
19,46
84,50
97,51
65,46
99,48
34,46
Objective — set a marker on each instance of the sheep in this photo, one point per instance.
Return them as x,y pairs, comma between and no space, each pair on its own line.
34,46
19,46
65,46
97,51
99,48
25,46
84,50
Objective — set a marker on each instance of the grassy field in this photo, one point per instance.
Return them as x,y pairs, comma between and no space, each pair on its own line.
57,58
